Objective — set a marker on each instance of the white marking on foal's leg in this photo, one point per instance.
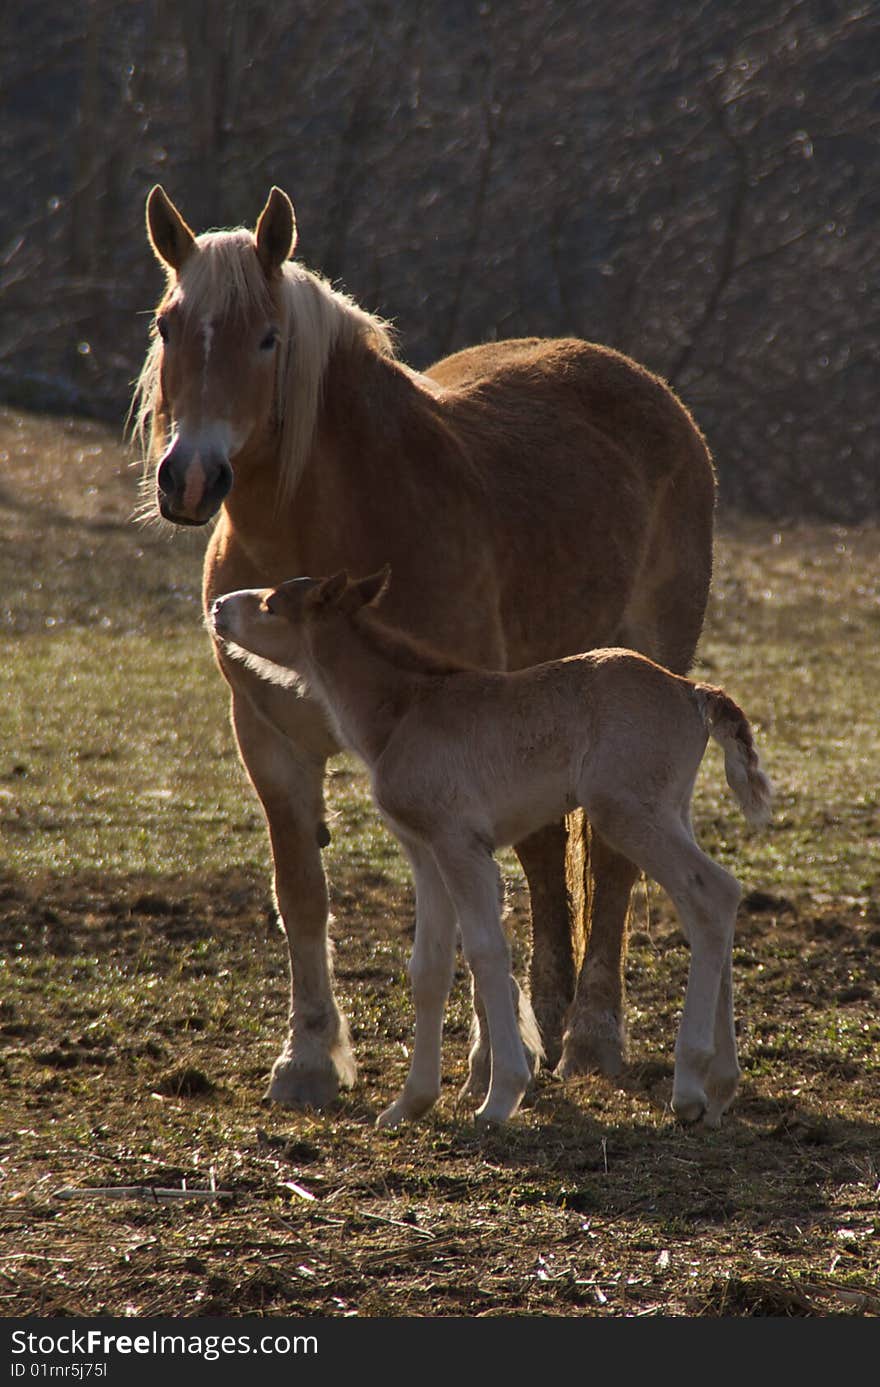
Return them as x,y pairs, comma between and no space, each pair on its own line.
430,969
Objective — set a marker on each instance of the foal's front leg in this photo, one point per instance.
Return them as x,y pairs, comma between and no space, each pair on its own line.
554,914
472,880
430,969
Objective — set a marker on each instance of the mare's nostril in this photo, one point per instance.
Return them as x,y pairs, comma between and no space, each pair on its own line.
164,480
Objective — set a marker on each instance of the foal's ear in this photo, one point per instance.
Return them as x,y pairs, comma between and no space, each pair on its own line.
330,590
370,591
172,240
276,231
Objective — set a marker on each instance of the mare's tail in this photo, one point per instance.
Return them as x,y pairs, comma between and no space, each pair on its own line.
728,724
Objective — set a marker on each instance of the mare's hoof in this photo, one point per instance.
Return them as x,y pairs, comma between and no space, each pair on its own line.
593,1052
294,1087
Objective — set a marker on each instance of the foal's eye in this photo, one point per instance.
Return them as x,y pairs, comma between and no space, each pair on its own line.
162,327
269,340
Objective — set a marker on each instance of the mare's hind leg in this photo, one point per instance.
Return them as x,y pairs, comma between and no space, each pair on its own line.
555,922
317,1055
430,969
596,1035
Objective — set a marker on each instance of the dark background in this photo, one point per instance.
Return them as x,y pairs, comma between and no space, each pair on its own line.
695,183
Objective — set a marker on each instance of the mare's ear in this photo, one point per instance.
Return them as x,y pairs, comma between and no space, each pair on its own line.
371,590
172,240
276,231
330,590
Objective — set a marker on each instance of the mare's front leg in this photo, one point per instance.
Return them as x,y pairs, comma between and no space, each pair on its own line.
286,768
431,969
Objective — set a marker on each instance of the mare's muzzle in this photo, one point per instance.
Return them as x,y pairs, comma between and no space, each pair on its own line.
192,483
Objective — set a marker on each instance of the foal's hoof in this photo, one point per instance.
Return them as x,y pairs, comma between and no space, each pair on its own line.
405,1109
476,1085
689,1111
294,1087
550,1018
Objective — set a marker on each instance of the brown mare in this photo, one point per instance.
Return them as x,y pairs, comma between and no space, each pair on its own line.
534,498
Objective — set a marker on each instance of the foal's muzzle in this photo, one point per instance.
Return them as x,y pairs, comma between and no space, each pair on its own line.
191,484
218,619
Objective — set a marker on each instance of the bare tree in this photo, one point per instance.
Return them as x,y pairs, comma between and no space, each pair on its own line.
696,185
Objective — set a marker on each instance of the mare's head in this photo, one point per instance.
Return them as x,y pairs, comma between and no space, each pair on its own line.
210,381
271,628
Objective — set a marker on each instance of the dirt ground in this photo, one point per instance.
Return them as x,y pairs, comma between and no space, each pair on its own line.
592,1202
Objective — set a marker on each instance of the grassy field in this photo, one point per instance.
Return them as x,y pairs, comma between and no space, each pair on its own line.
144,983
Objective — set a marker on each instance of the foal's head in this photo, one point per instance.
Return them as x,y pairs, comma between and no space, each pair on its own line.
276,625
220,330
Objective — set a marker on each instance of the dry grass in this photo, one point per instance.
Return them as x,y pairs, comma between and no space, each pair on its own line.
144,983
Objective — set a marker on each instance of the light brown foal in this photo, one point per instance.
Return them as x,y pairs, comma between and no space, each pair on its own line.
463,761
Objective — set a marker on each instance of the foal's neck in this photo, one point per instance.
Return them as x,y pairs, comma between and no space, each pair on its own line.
365,689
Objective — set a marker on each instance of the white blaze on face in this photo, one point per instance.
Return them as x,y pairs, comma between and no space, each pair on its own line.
208,339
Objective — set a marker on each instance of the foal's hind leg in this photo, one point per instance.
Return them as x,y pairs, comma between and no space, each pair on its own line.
706,897
430,970
724,1072
706,1074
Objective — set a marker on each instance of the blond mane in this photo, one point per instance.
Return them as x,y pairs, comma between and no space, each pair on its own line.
225,278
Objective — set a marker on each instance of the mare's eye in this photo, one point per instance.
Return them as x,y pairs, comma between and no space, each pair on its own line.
269,340
162,327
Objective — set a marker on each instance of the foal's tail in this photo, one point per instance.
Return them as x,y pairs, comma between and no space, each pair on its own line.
728,724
